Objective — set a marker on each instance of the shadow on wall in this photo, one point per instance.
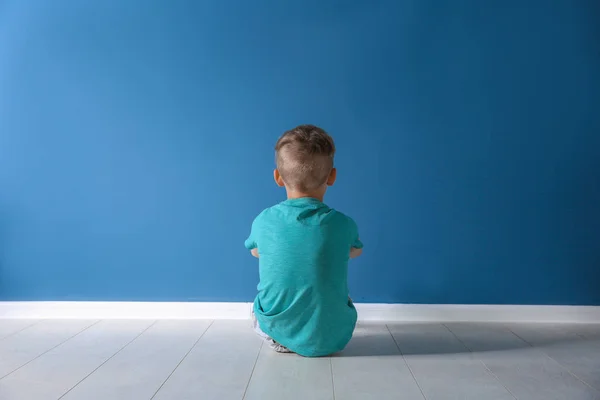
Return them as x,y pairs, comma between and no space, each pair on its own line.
460,338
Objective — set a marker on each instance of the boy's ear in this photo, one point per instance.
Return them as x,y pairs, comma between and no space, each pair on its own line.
278,179
332,177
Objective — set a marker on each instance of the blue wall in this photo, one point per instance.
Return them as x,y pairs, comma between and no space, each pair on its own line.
136,144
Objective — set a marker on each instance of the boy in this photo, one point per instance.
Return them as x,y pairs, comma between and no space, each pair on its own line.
303,247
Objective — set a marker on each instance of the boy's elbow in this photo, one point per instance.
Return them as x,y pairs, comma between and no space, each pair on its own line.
354,252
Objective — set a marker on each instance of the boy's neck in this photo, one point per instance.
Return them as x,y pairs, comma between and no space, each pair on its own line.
319,195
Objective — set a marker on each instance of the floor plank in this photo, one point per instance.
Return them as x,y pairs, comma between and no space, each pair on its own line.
426,339
290,377
140,369
28,344
54,373
547,334
9,327
526,371
219,366
569,345
580,358
371,367
443,367
484,338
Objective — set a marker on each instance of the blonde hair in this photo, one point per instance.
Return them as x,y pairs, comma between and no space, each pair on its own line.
304,157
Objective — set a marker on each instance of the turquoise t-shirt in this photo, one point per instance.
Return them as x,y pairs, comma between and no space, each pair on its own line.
302,300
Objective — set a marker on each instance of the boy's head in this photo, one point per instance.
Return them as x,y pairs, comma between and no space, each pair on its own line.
304,157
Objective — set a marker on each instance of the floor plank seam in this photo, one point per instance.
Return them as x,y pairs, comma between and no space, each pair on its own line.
556,361
182,359
406,363
49,350
332,380
108,359
253,368
20,330
482,363
520,338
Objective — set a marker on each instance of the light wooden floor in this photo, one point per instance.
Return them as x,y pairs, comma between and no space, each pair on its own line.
168,359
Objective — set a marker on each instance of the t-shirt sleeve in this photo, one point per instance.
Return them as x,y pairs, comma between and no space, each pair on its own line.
356,243
251,243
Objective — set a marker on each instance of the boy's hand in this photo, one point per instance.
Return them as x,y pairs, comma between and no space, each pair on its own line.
254,252
354,252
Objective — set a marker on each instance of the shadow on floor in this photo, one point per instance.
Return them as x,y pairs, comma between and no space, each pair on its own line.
437,339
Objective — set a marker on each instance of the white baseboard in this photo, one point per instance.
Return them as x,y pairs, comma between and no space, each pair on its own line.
477,313
366,312
123,310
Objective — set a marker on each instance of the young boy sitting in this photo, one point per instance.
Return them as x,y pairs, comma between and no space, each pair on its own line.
303,247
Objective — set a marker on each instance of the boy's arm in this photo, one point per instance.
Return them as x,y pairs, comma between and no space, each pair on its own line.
356,248
251,243
354,252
